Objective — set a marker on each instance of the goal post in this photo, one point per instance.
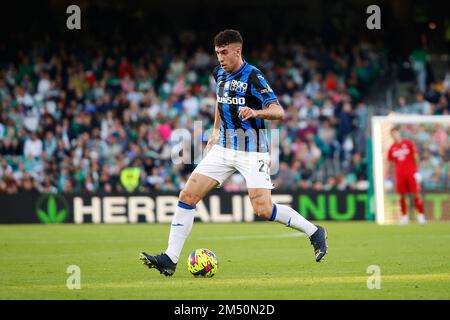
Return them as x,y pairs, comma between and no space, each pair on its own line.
416,128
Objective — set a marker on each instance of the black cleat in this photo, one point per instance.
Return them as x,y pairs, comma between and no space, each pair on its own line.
160,262
319,242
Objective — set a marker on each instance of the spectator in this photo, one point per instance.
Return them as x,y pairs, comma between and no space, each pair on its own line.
97,117
33,146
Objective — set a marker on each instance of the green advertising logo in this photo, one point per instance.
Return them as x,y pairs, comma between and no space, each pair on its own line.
337,207
130,178
55,210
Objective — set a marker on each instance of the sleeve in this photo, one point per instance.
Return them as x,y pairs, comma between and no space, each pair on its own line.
215,73
390,158
261,89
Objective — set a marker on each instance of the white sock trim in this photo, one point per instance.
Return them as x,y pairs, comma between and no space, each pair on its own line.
291,218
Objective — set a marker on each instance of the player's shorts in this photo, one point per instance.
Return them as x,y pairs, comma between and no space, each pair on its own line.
406,183
220,163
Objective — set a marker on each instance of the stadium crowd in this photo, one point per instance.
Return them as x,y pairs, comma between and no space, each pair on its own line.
432,140
70,121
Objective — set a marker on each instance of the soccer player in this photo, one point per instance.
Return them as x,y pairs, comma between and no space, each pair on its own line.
239,142
404,156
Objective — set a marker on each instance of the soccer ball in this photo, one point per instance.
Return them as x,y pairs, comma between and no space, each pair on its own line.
203,263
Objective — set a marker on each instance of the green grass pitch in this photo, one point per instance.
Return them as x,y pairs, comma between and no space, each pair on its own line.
256,261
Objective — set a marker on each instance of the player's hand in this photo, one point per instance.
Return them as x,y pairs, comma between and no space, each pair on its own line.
418,177
207,148
388,184
211,142
246,113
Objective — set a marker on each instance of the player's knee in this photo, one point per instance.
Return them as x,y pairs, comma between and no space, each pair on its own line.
188,198
264,211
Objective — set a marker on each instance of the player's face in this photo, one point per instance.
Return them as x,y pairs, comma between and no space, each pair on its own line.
396,135
229,56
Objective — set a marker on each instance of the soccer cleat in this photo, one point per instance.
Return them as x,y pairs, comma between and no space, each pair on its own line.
404,220
319,242
161,262
421,218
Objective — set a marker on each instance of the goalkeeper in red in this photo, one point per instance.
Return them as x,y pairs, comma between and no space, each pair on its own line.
404,156
239,143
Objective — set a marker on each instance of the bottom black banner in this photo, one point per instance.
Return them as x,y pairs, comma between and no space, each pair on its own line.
218,309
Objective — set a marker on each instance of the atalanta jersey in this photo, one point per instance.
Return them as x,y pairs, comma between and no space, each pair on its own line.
246,87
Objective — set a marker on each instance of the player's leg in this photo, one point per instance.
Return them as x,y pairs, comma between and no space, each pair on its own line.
256,171
212,171
401,186
197,187
404,210
414,189
265,208
418,202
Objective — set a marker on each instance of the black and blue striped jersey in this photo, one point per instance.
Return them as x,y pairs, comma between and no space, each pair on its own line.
245,87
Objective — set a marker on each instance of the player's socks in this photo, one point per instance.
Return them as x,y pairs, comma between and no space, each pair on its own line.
403,204
291,218
419,205
404,219
421,218
181,227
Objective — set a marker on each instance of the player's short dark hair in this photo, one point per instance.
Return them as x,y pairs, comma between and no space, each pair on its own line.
226,37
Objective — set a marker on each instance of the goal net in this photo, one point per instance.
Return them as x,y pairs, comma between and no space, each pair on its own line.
431,135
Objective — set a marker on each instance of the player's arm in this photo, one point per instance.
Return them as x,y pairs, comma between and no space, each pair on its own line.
416,156
389,170
273,112
216,131
390,164
389,175
260,89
